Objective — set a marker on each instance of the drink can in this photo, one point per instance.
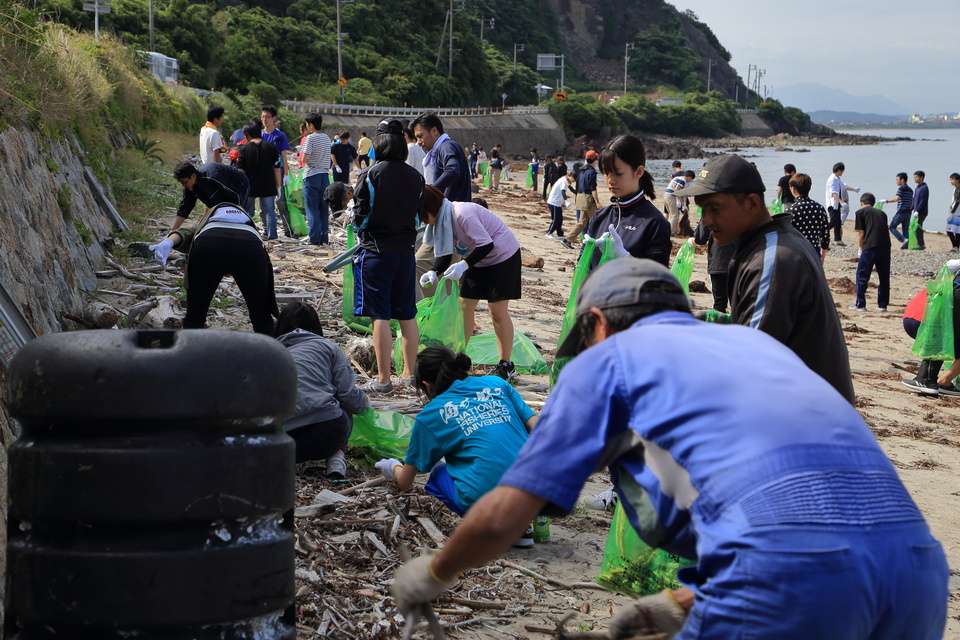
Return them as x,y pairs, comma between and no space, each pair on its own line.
541,529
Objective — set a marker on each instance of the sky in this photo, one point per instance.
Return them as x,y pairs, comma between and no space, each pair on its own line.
909,53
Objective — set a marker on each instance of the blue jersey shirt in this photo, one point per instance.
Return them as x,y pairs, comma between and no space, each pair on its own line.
478,425
737,438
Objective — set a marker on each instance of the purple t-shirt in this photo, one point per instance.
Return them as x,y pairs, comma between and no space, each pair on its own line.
474,226
279,140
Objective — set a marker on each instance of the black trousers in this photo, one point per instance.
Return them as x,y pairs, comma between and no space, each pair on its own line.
835,223
219,252
321,440
718,281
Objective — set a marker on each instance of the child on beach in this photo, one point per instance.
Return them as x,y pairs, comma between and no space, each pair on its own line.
556,201
476,424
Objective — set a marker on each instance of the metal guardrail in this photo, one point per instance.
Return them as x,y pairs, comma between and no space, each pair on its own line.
746,110
373,110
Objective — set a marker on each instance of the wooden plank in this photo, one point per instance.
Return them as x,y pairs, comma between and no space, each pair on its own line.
432,531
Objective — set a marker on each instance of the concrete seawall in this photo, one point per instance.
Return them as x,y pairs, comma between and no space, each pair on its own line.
517,133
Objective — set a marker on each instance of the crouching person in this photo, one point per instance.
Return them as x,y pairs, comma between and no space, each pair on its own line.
476,423
803,531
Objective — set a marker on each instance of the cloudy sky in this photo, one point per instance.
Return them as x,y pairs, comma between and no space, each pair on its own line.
905,52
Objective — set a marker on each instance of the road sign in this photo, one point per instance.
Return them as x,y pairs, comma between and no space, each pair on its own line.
503,96
546,62
342,81
560,95
101,8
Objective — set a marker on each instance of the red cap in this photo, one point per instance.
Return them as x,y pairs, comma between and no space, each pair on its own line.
592,155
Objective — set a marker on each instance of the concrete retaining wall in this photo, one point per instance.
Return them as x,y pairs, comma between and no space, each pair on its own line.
752,125
517,133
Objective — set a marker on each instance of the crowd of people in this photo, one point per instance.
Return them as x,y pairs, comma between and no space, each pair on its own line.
798,531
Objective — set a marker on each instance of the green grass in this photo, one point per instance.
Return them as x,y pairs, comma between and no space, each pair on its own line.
84,232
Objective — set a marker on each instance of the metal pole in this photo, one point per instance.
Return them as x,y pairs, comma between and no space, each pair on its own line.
339,52
96,20
450,60
151,27
626,47
443,35
709,74
514,55
561,73
482,20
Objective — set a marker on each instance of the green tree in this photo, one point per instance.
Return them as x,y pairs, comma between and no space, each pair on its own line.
583,114
797,118
660,55
770,109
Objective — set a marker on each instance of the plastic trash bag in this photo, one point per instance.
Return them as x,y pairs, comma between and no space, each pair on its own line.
683,265
579,275
633,568
935,339
912,233
382,434
483,349
486,179
360,324
776,207
530,177
439,321
295,205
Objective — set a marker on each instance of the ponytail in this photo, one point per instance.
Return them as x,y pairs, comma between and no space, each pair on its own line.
441,367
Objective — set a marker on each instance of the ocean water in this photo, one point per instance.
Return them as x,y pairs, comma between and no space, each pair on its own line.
870,167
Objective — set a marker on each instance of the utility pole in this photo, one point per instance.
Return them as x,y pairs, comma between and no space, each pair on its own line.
340,35
626,58
710,73
443,35
515,49
483,22
746,99
151,26
450,58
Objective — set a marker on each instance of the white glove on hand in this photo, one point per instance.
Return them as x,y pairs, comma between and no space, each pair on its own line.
567,203
337,168
859,253
618,249
286,180
428,279
857,189
414,584
661,609
953,265
161,250
456,271
279,192
690,241
386,467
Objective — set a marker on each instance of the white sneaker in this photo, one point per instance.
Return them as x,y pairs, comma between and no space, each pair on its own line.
337,466
605,501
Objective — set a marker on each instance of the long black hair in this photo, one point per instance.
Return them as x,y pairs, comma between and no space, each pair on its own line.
630,150
441,367
298,315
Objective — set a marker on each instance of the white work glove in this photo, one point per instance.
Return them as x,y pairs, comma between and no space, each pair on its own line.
567,203
415,584
279,192
456,271
857,189
662,610
859,253
618,249
386,467
428,279
337,168
161,250
286,179
953,265
690,241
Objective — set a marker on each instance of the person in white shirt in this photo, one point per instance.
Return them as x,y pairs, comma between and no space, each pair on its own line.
211,142
415,153
316,157
834,199
555,202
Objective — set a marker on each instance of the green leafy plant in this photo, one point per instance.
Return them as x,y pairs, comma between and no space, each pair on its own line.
149,149
85,234
65,201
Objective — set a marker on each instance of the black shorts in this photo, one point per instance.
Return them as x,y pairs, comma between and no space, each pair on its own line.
495,283
385,285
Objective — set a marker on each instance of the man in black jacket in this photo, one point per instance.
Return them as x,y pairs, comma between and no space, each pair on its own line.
211,184
776,282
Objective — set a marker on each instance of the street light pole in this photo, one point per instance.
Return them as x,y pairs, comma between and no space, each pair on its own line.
340,47
483,23
626,59
151,26
515,45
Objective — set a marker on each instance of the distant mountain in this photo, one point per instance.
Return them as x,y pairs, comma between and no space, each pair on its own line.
812,97
828,117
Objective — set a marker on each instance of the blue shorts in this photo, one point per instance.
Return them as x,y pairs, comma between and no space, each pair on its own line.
440,486
386,285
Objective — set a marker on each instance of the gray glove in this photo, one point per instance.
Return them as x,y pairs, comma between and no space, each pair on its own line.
415,584
658,613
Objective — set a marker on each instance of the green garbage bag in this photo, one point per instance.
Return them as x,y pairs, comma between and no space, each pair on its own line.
879,205
935,339
486,179
482,168
699,212
439,321
716,317
360,324
579,275
483,349
295,205
631,567
683,265
912,233
382,434
776,207
529,176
